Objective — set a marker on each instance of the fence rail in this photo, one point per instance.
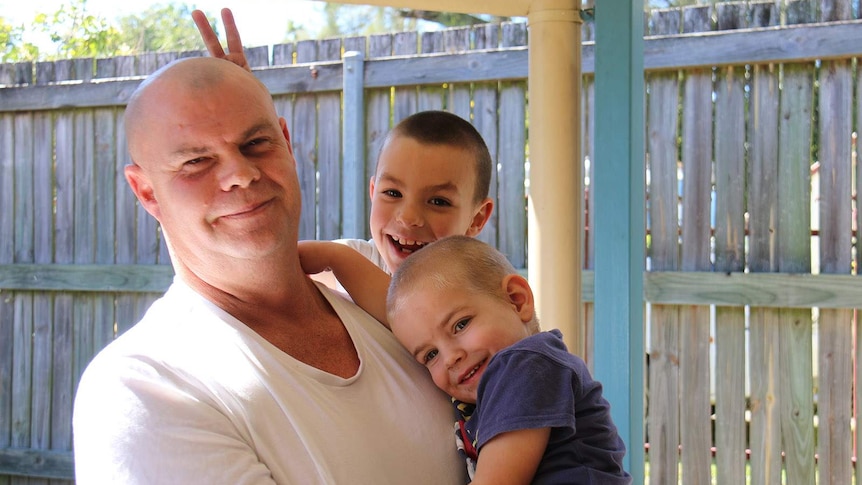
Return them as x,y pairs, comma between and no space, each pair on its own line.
752,259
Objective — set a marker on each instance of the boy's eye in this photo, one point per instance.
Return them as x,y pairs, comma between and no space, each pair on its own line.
461,324
439,202
429,356
392,193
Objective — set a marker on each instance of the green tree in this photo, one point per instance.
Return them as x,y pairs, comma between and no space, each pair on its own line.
76,33
160,28
14,47
340,20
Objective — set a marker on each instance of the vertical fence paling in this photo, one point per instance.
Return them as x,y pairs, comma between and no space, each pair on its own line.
663,390
730,358
858,259
696,433
588,128
834,385
793,253
512,145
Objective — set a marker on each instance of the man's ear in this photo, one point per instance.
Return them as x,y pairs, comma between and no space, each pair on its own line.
520,295
143,189
480,218
283,123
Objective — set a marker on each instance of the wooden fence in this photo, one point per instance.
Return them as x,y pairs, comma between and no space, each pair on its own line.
751,245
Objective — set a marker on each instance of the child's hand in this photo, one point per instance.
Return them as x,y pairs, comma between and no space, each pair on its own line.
235,52
317,256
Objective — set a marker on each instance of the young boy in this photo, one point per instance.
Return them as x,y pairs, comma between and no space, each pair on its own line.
531,412
431,181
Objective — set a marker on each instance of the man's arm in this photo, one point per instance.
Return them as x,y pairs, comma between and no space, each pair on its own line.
364,281
512,457
234,43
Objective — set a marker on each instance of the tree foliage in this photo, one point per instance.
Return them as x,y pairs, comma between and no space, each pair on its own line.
14,47
73,32
160,28
76,33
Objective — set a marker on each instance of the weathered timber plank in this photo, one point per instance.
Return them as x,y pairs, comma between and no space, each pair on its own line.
730,358
7,199
793,253
762,196
329,151
378,103
304,140
858,260
694,325
663,432
26,462
124,278
588,128
835,373
776,44
511,214
430,94
774,290
406,99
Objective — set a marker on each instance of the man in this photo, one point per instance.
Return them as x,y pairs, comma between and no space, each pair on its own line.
245,371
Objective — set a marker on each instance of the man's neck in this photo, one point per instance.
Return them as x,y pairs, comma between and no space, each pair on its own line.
286,308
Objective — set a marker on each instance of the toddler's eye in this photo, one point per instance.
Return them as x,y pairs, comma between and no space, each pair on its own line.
429,356
461,324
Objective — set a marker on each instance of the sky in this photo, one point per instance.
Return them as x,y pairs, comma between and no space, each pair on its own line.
260,22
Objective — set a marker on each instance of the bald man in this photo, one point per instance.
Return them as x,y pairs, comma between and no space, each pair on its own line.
245,371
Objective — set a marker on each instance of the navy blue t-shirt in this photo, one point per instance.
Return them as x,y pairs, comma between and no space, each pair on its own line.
537,383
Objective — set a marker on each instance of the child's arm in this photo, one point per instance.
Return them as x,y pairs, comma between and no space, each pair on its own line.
512,457
364,281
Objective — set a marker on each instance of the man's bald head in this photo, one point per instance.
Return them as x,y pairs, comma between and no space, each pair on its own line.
188,78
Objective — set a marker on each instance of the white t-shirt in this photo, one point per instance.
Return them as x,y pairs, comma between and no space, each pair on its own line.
367,249
191,395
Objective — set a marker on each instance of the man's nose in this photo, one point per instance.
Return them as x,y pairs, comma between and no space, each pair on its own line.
238,171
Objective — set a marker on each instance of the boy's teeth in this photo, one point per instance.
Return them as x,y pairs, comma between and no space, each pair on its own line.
407,242
471,373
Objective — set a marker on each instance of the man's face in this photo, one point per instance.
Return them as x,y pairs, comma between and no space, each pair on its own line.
422,193
215,167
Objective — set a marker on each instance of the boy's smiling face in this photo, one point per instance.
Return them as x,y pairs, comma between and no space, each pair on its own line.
455,331
422,193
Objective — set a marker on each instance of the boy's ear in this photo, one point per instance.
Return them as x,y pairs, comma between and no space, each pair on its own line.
480,218
371,188
520,295
143,189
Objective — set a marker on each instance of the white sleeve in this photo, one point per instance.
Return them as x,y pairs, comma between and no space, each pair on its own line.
147,429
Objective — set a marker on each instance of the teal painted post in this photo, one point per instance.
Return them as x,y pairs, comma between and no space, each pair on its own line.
619,219
353,128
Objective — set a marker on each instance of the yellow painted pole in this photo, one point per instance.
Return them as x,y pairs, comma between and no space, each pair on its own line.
555,200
